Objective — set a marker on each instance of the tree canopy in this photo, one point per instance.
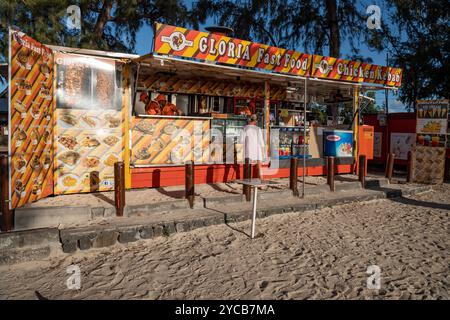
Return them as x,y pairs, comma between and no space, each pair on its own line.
105,24
415,33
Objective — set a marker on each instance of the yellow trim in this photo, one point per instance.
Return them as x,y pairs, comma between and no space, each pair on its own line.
126,113
356,91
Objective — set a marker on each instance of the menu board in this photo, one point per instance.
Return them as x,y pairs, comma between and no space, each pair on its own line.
30,120
88,143
157,141
87,83
432,116
89,124
429,155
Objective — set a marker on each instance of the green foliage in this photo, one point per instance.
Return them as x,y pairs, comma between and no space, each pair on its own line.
418,41
106,24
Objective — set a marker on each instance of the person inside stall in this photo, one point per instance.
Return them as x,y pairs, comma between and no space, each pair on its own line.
168,109
151,107
246,110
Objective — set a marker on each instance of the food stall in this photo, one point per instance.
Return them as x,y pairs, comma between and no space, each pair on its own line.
74,113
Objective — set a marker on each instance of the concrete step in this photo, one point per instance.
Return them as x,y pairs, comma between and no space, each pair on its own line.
45,217
21,246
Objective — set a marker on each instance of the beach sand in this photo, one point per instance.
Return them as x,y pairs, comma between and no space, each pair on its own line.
314,255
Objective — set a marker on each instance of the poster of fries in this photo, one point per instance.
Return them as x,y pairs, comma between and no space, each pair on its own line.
157,141
89,123
87,144
31,120
432,116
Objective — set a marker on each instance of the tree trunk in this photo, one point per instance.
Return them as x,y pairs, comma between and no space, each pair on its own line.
332,22
103,18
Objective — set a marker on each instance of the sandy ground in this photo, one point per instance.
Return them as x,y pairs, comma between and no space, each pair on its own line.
149,195
316,255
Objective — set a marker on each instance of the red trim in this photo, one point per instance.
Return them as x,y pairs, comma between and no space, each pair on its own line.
173,176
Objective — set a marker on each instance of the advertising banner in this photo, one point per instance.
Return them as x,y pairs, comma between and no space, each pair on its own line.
401,144
355,71
30,120
432,116
89,123
157,141
431,128
177,41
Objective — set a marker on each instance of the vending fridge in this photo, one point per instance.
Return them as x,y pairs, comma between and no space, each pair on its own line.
291,142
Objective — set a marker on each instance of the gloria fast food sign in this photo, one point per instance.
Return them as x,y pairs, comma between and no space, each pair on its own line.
177,41
355,71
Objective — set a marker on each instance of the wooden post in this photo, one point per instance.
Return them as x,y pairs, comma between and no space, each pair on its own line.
362,170
293,177
330,173
247,175
390,166
119,187
409,167
7,214
190,183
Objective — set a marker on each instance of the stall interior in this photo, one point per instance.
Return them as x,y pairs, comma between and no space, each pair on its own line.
168,99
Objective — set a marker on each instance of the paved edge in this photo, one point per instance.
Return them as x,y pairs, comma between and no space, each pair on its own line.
29,245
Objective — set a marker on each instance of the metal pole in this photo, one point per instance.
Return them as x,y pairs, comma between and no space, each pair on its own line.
304,138
119,188
255,198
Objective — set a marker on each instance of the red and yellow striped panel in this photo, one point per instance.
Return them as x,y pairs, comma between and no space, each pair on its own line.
210,87
85,152
354,71
158,141
394,77
177,41
31,122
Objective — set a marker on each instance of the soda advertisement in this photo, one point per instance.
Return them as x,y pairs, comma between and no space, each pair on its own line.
159,140
30,120
89,123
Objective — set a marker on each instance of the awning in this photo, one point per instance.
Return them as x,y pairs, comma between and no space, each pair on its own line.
152,64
